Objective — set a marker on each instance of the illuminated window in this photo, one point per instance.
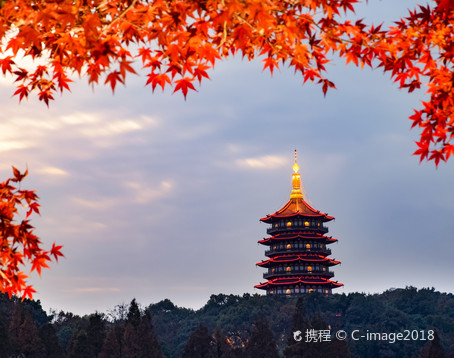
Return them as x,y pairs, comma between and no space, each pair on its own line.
289,223
324,269
287,292
289,246
309,268
289,269
306,223
326,291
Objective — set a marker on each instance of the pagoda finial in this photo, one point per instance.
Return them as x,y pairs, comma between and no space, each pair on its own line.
296,166
296,181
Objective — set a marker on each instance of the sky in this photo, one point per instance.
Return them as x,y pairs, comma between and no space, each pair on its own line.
156,197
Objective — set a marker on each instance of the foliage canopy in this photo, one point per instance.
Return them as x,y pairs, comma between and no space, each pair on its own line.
18,244
177,41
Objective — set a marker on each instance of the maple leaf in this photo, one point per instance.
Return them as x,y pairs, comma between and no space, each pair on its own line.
6,64
200,72
326,84
423,150
437,155
270,63
22,91
28,292
160,79
56,251
184,84
112,78
39,262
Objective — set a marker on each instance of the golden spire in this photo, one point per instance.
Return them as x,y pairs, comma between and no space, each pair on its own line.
296,181
296,166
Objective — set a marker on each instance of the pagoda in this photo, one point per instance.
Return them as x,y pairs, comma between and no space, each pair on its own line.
297,252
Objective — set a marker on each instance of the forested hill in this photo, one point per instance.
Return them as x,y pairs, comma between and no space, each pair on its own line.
247,326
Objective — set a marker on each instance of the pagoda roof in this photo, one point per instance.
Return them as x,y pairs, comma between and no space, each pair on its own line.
296,258
298,234
296,207
294,280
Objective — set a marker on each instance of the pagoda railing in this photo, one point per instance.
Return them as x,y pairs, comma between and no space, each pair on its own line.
273,230
297,250
297,272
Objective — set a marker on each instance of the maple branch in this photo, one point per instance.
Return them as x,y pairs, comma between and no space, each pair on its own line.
120,16
224,36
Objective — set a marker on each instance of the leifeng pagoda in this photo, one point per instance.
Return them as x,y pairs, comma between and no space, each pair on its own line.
298,261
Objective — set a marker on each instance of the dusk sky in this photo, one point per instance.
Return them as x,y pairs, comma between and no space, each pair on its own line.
156,197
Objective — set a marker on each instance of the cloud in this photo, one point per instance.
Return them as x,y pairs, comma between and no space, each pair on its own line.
92,289
12,145
267,162
97,204
111,129
143,193
53,171
68,225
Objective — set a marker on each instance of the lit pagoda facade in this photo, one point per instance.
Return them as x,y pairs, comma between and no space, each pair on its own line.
298,257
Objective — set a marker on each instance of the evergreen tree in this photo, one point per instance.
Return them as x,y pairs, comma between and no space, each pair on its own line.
79,345
261,343
339,349
52,348
297,347
451,354
112,346
134,315
96,332
329,346
222,346
147,338
433,349
28,338
139,338
66,326
200,344
130,341
14,328
4,339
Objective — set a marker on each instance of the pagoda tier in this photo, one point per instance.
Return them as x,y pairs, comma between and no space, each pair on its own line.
298,257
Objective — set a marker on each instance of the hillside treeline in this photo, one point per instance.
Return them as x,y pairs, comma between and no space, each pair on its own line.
405,323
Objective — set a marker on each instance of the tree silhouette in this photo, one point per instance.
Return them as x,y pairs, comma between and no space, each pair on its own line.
50,341
78,347
222,346
297,347
4,338
433,349
200,344
96,332
139,338
261,343
112,346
